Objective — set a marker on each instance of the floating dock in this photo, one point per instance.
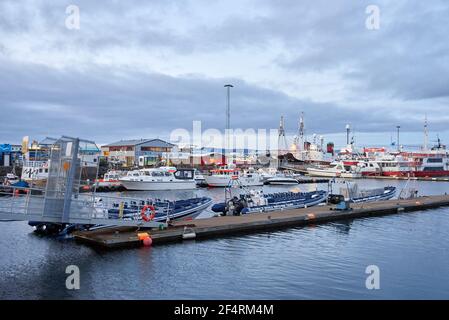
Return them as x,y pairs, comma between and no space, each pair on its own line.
223,226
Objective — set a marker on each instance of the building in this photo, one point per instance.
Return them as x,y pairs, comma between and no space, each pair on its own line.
143,152
10,154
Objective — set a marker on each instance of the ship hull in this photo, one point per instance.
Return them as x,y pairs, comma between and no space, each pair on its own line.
158,186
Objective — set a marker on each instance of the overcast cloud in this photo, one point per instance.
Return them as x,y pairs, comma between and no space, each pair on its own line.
141,69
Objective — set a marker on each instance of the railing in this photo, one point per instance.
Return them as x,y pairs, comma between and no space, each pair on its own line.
31,204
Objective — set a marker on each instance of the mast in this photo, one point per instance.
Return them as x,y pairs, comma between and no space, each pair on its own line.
301,130
426,134
348,131
228,118
281,138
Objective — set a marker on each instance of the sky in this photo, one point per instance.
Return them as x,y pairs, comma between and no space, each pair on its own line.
140,69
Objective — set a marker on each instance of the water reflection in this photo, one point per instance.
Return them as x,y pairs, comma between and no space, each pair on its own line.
325,261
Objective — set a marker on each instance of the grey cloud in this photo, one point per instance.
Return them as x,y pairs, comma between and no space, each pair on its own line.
407,59
107,104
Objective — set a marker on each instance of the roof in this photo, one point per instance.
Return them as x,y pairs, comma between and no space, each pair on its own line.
135,142
48,141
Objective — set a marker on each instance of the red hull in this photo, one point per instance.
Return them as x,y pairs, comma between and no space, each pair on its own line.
442,173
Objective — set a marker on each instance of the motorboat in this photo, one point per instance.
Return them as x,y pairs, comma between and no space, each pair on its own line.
163,209
352,194
111,180
163,178
225,175
131,209
337,169
282,178
199,177
257,202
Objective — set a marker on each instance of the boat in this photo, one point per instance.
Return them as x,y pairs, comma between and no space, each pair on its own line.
267,173
163,178
282,178
224,175
311,152
385,193
110,181
199,177
337,169
10,179
164,209
257,201
35,172
11,189
131,209
354,195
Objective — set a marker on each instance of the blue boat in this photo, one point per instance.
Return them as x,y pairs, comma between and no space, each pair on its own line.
131,210
173,210
256,202
381,194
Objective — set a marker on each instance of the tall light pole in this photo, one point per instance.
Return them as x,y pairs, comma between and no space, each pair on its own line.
399,145
228,113
348,130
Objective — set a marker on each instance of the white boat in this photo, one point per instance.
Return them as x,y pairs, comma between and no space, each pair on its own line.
111,180
163,178
199,177
337,169
267,173
224,175
35,172
282,178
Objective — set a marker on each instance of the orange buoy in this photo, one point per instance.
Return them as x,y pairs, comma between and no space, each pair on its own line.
147,242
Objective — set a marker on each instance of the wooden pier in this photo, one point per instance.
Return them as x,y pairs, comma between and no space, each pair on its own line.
228,225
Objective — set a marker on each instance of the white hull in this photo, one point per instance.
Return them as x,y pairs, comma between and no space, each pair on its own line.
281,181
155,185
351,175
225,180
323,173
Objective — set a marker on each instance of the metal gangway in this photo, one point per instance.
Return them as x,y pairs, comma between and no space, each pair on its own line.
61,201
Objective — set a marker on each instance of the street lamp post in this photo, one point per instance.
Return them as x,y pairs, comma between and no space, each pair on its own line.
228,114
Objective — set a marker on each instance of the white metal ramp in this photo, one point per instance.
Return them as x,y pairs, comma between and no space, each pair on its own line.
61,202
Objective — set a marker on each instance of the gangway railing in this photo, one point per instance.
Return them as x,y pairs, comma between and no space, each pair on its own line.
27,204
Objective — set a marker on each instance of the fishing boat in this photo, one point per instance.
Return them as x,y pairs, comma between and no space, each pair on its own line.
224,175
257,201
163,178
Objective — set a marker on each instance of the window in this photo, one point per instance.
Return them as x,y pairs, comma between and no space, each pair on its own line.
433,169
434,160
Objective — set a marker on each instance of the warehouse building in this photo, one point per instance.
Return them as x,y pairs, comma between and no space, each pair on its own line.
143,152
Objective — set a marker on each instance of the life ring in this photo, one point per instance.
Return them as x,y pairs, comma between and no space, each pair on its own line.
145,216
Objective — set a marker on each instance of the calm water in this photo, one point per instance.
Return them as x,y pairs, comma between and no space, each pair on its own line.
322,262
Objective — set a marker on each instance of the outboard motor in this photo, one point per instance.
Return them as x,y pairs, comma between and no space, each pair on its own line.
335,198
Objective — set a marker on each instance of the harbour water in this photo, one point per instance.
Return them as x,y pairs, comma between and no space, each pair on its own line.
317,262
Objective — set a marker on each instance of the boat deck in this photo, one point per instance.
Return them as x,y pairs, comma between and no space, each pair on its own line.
228,225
